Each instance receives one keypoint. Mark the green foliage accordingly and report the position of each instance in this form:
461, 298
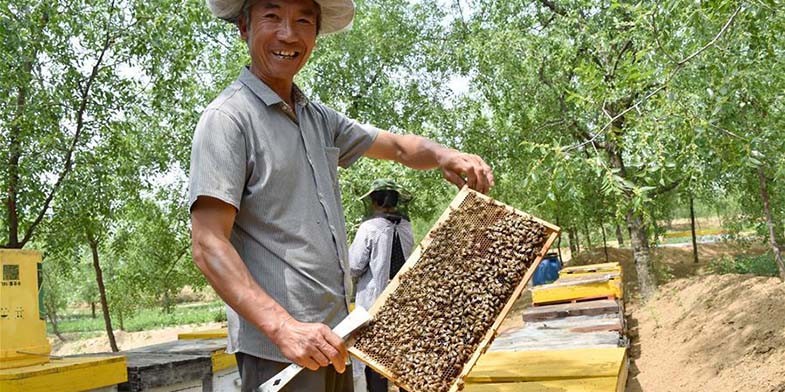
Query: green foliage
762, 265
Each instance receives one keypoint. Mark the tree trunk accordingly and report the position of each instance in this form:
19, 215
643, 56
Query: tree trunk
654, 226
51, 313
99, 278
558, 241
122, 319
14, 153
577, 240
641, 254
92, 308
619, 236
588, 236
604, 243
571, 237
639, 238
692, 227
764, 195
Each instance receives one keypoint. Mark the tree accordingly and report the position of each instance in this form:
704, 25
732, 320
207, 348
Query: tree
747, 113
152, 243
95, 114
589, 79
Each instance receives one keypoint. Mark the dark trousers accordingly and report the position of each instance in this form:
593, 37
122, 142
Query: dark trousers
255, 371
375, 381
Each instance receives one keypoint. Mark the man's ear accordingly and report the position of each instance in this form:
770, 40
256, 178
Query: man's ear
242, 25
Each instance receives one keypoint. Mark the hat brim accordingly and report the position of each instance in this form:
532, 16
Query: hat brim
403, 196
337, 15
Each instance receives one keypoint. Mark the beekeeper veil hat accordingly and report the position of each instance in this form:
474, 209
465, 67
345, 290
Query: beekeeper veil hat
336, 15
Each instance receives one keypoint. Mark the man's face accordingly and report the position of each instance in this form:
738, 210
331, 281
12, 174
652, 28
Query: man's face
281, 35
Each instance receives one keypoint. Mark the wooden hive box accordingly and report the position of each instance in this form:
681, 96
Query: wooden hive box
579, 288
590, 269
579, 369
442, 310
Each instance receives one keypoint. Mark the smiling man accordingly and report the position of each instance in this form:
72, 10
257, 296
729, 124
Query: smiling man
267, 222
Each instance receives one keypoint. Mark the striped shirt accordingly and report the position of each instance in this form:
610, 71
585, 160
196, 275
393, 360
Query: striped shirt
282, 177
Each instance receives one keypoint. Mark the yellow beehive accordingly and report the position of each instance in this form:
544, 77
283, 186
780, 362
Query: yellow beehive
583, 369
594, 286
22, 327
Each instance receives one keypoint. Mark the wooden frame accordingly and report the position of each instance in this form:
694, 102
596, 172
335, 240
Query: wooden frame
457, 384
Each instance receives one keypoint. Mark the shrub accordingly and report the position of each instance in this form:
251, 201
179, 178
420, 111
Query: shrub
762, 265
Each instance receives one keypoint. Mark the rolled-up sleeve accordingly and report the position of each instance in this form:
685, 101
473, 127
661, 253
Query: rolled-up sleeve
218, 159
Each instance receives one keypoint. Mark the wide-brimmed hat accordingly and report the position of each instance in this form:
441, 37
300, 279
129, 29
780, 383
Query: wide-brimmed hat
336, 16
386, 184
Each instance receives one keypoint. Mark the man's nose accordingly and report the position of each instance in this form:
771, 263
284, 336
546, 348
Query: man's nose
286, 32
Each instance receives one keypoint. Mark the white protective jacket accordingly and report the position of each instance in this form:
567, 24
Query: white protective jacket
369, 258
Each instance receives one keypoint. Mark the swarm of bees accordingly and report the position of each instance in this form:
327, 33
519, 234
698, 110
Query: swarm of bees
443, 306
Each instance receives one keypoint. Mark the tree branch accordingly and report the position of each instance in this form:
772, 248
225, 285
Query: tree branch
553, 7
657, 38
80, 114
679, 67
714, 40
667, 188
624, 49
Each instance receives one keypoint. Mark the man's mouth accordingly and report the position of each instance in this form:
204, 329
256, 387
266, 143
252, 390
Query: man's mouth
286, 54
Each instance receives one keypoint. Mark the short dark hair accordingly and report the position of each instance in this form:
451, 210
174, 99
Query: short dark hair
245, 12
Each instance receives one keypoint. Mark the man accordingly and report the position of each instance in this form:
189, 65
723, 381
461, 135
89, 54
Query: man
380, 248
267, 224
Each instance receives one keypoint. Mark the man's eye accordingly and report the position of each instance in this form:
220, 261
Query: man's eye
270, 16
305, 21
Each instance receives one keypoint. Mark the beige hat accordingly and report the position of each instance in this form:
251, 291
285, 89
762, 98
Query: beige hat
337, 15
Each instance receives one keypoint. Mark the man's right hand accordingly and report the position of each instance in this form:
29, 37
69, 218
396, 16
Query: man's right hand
310, 345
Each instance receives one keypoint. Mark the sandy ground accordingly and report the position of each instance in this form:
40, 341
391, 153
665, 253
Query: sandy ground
125, 340
703, 332
710, 333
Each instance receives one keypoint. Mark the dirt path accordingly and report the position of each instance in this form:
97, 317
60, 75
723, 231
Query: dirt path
126, 340
703, 332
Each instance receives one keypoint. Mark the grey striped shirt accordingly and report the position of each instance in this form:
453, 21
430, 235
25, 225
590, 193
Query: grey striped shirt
282, 178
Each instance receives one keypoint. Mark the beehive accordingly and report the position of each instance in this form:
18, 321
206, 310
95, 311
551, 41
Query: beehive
441, 311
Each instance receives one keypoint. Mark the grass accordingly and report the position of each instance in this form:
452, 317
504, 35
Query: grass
762, 265
688, 233
151, 318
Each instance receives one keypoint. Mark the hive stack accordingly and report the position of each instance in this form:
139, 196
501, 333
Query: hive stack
572, 338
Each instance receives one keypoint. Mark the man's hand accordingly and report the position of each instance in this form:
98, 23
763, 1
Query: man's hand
310, 345
466, 169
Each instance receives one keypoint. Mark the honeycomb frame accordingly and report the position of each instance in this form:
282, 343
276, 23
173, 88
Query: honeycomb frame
551, 233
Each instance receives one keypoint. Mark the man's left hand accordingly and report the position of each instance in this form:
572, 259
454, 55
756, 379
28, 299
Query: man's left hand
466, 169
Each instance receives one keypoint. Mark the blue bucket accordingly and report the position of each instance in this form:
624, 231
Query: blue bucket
548, 270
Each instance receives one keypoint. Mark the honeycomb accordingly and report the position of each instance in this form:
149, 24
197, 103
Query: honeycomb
442, 307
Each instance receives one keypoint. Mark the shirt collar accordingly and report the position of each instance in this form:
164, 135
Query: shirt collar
265, 93
299, 96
